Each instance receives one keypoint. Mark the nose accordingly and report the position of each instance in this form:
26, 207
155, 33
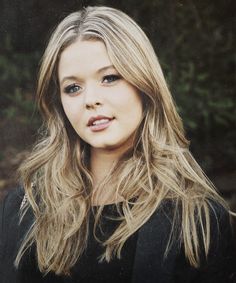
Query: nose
92, 105
92, 99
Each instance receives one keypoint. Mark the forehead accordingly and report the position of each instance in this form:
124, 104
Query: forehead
83, 56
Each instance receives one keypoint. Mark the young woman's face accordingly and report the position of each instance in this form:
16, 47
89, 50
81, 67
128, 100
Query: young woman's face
102, 107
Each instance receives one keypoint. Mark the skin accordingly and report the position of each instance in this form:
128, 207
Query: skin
91, 86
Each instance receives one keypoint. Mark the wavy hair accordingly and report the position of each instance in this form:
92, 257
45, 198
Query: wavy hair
159, 167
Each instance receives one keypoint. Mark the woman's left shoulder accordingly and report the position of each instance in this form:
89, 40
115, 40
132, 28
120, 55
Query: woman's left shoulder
219, 265
218, 210
221, 230
222, 242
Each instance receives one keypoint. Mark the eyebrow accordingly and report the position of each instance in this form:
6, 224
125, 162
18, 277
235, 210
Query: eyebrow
99, 71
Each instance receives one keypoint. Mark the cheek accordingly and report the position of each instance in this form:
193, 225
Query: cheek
135, 110
130, 105
72, 111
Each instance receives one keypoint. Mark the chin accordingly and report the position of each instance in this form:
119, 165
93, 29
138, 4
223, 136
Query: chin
111, 145
108, 146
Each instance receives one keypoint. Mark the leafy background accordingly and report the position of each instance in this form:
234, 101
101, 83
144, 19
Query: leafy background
195, 43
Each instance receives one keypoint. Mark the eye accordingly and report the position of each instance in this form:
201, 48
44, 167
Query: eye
71, 89
110, 78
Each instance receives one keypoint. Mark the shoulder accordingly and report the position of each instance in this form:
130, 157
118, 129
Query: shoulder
9, 210
222, 243
220, 261
165, 227
9, 221
171, 210
221, 232
154, 237
14, 196
10, 204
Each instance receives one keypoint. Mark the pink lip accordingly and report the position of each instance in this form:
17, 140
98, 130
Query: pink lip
99, 117
100, 127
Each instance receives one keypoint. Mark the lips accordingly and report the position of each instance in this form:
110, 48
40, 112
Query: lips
99, 123
98, 120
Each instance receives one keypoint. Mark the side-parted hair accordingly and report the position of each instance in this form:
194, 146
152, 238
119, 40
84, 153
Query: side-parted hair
160, 166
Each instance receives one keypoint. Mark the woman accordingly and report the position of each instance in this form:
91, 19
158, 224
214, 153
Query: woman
111, 192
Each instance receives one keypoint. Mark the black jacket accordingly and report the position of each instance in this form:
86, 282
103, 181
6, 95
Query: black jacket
150, 265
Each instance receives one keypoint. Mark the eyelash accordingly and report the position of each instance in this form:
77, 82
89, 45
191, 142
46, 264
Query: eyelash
112, 77
70, 89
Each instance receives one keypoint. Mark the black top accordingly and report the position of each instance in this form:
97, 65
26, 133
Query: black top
143, 259
88, 268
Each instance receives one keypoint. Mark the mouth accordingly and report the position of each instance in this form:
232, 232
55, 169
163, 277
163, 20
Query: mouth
101, 124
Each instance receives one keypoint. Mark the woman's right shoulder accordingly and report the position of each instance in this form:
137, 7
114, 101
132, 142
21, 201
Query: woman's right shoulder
10, 205
13, 199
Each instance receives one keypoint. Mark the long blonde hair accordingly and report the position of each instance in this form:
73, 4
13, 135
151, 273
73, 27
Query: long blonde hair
159, 167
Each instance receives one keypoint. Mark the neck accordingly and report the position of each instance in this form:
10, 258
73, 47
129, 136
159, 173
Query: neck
101, 164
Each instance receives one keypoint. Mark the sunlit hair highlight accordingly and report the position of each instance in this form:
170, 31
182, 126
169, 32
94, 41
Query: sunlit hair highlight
159, 167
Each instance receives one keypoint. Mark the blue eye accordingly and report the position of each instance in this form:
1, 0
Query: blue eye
110, 78
70, 89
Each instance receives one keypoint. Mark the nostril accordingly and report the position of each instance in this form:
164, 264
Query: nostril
87, 106
92, 105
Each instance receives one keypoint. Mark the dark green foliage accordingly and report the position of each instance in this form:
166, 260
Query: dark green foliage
17, 79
